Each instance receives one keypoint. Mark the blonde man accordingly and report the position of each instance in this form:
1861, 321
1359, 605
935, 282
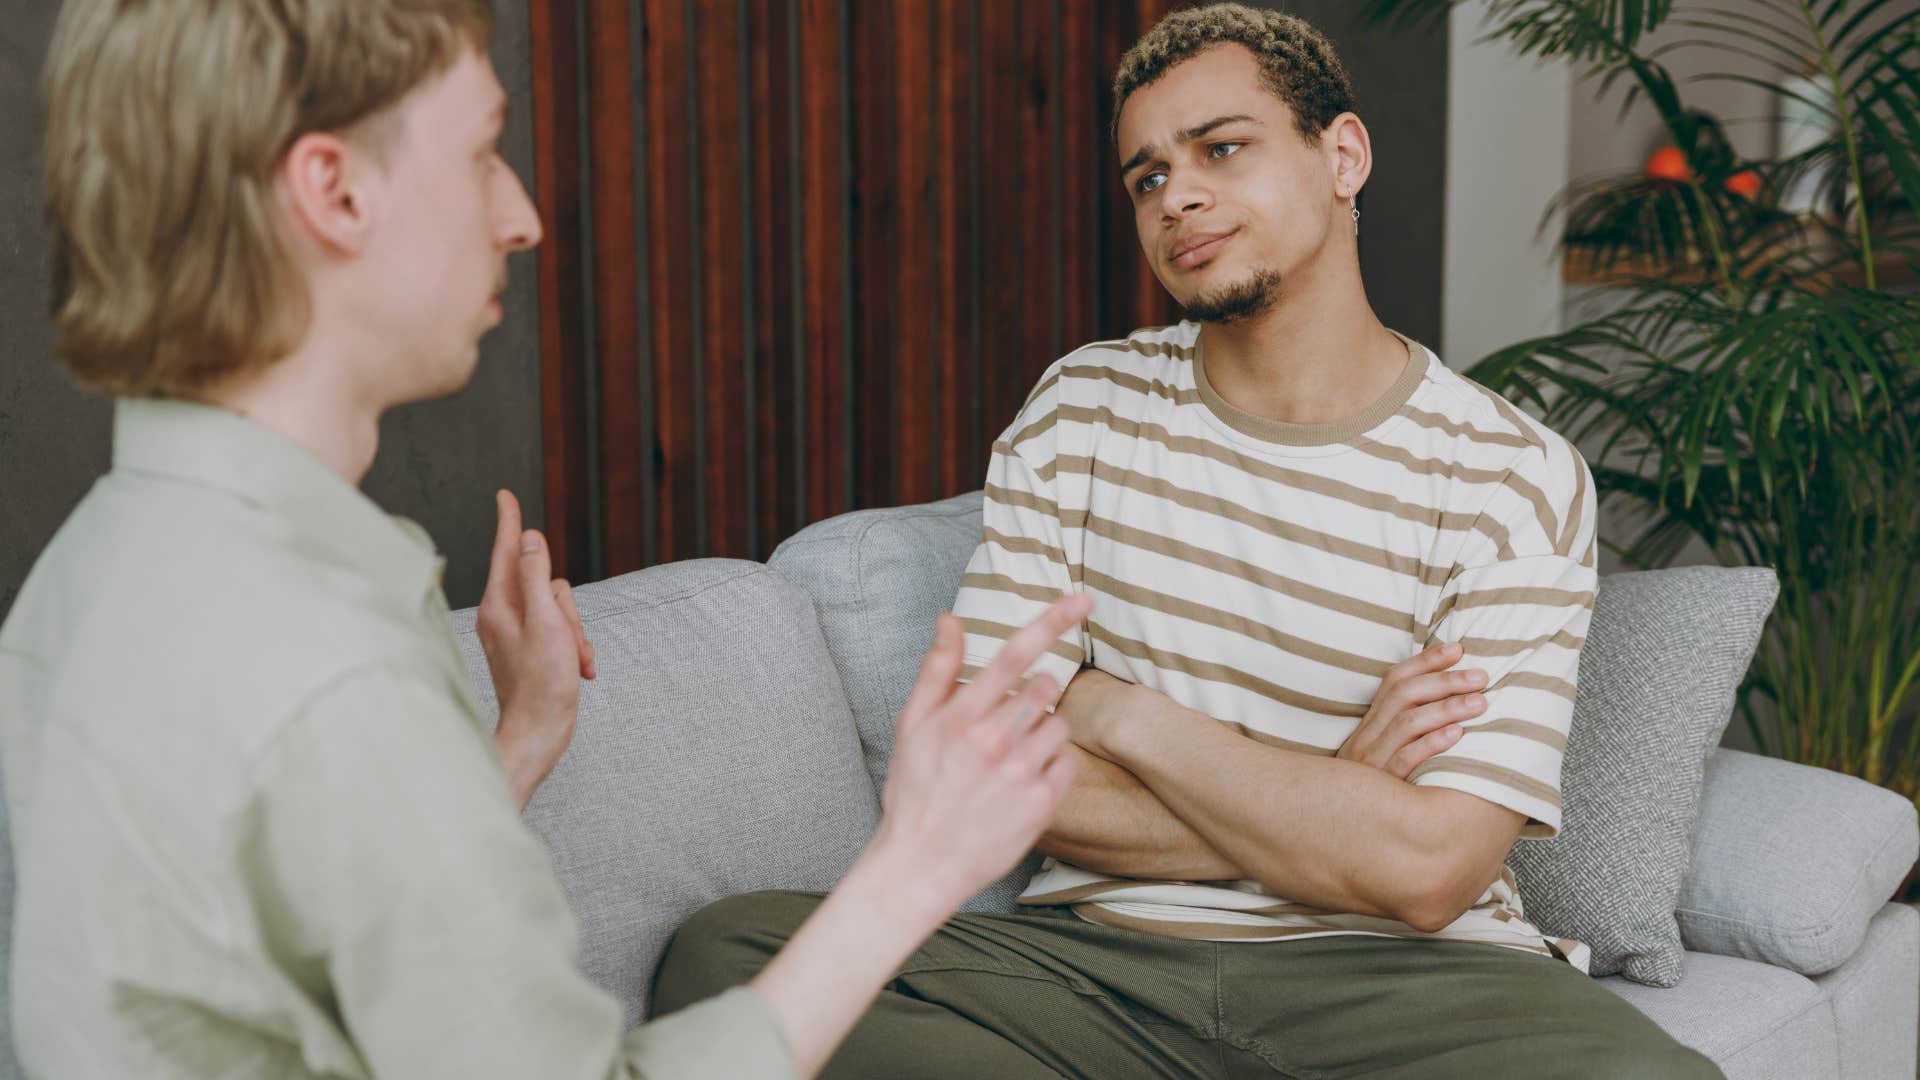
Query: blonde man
1339, 596
261, 828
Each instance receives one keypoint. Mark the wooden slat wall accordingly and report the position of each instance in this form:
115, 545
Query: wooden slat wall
808, 256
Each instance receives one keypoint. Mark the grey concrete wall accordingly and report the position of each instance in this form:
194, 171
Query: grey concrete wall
439, 462
53, 439
1401, 81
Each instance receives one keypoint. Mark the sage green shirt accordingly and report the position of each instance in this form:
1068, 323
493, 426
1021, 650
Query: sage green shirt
259, 824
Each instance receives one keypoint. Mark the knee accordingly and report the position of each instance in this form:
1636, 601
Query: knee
724, 944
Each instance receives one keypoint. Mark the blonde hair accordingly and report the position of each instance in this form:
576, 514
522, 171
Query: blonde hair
163, 124
1297, 63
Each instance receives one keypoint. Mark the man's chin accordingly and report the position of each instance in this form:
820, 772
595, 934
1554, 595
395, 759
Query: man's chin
1235, 302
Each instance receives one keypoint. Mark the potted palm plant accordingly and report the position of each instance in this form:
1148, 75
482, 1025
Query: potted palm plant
1758, 385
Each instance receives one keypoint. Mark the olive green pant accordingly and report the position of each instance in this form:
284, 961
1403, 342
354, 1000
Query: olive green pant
1047, 994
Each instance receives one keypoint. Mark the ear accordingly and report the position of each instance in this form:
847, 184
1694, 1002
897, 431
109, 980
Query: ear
1349, 155
326, 184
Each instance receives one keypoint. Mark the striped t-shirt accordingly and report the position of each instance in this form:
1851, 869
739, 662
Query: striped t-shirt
1267, 574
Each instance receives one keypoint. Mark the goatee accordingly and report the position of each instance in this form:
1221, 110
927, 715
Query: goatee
1233, 303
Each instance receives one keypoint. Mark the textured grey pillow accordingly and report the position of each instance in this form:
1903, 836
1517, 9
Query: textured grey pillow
1791, 863
878, 579
1665, 653
714, 755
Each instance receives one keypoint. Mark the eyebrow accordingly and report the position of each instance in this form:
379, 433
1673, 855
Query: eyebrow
1198, 131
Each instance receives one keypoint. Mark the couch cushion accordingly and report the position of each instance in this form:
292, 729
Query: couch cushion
1664, 655
1876, 999
714, 755
878, 578
1756, 1022
1790, 863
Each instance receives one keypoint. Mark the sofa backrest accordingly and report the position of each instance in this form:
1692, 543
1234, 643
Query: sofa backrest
878, 578
714, 755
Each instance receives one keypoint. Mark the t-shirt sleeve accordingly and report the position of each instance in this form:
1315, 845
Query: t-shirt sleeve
1520, 603
1027, 551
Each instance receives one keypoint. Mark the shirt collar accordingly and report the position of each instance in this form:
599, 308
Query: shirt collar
325, 516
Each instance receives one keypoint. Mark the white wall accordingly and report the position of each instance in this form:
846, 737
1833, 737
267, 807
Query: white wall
1507, 157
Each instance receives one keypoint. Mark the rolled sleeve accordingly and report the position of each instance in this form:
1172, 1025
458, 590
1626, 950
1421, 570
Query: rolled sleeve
1025, 560
1520, 609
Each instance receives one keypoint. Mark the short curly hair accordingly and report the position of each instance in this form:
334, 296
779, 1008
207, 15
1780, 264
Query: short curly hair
1297, 63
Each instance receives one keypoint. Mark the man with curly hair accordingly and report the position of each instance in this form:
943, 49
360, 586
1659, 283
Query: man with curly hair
1339, 598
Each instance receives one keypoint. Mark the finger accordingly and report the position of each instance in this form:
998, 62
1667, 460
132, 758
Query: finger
937, 671
536, 569
1020, 651
563, 595
1433, 658
1032, 701
1416, 753
1439, 686
1415, 723
1039, 745
1059, 775
506, 550
1017, 715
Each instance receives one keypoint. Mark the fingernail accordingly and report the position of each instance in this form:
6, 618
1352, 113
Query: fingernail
1476, 701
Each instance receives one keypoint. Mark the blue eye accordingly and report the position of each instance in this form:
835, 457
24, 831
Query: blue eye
1150, 182
1231, 149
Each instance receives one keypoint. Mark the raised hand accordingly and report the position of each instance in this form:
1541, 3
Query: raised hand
536, 649
1417, 712
977, 774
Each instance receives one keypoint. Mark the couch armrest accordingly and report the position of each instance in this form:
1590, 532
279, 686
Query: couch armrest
1791, 862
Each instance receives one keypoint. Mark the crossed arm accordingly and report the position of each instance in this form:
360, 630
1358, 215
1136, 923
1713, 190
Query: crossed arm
1165, 792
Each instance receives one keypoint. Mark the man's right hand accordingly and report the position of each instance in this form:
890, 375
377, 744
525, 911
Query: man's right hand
537, 651
976, 774
1417, 712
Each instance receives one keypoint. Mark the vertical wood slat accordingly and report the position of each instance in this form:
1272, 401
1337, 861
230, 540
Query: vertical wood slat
616, 283
1003, 245
773, 250
875, 273
823, 219
954, 355
868, 227
1080, 171
553, 33
723, 275
669, 187
917, 408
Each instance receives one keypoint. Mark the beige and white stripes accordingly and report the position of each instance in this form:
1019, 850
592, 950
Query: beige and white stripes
1268, 574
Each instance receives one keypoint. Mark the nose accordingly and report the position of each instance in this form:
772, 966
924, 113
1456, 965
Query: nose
519, 221
1184, 193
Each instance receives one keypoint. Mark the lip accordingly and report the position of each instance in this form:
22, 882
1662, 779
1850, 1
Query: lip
1197, 248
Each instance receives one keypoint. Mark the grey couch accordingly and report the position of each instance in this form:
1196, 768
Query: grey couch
742, 719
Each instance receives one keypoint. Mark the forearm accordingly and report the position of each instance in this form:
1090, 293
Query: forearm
1111, 823
1330, 833
834, 966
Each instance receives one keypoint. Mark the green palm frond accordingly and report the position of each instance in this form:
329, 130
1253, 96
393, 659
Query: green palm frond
1757, 390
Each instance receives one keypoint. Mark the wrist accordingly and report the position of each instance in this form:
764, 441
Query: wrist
911, 887
528, 750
